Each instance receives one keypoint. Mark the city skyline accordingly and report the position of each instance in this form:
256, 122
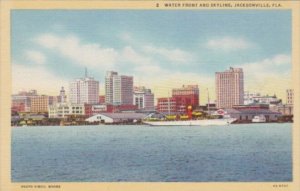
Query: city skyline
162, 50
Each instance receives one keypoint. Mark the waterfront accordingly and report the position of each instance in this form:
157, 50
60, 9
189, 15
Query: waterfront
242, 152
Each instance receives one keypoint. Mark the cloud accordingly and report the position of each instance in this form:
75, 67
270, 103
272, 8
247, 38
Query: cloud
85, 54
130, 55
35, 56
37, 77
276, 65
268, 75
126, 37
228, 44
161, 81
173, 55
94, 56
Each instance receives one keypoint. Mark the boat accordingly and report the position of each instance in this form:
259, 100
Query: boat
191, 118
218, 120
259, 119
196, 122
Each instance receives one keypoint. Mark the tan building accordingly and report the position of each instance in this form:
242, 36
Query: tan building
230, 87
39, 104
290, 96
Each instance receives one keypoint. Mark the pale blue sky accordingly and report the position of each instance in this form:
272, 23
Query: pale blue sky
161, 49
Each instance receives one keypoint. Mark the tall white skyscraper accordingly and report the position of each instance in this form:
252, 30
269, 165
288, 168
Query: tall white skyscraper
230, 88
84, 90
118, 89
109, 86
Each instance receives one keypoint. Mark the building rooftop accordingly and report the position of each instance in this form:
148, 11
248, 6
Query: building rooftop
251, 111
125, 115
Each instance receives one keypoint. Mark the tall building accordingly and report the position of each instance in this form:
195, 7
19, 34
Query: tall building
84, 91
230, 87
143, 98
118, 89
186, 96
109, 78
290, 96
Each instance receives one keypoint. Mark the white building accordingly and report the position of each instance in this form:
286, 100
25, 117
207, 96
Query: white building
230, 87
61, 110
84, 90
116, 117
249, 97
109, 86
143, 98
270, 100
118, 89
99, 108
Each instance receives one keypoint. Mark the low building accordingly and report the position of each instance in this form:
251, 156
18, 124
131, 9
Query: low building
209, 108
91, 110
247, 114
62, 110
110, 118
271, 100
166, 105
251, 107
249, 97
31, 119
21, 102
284, 109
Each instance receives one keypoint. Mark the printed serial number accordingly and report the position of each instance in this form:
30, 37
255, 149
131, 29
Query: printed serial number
280, 185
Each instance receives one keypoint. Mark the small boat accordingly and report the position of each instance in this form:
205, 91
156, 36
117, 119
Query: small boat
259, 119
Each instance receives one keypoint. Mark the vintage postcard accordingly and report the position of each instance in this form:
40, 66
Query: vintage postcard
149, 95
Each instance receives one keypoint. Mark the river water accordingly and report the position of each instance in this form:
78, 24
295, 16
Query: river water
140, 153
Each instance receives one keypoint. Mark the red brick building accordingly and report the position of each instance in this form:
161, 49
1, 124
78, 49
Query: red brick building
18, 107
88, 110
102, 99
180, 100
187, 95
165, 105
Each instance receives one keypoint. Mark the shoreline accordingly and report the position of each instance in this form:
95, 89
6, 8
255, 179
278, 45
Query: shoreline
141, 124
